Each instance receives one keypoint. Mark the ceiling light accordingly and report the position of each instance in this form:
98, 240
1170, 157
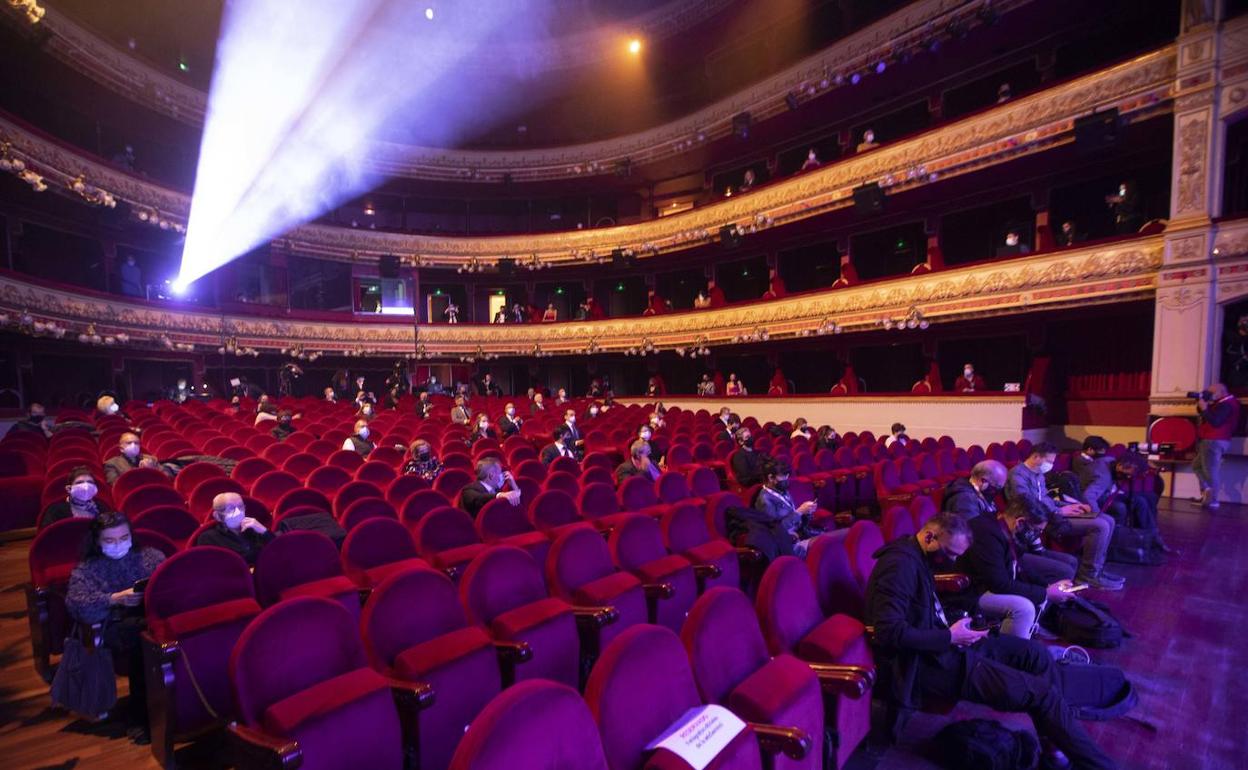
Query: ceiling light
634, 46
429, 14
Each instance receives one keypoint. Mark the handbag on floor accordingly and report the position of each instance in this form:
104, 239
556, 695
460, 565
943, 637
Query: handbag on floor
1129, 545
1084, 622
985, 744
85, 682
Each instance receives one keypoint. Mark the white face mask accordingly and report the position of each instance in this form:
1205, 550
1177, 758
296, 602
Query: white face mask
511, 412
82, 491
572, 420
968, 373
113, 408
593, 412
484, 426
1045, 467
1011, 240
116, 550
363, 432
645, 435
232, 518
131, 450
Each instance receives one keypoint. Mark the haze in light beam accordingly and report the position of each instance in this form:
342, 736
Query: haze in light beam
301, 89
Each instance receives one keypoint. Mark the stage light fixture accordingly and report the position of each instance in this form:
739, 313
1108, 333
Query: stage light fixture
634, 46
429, 14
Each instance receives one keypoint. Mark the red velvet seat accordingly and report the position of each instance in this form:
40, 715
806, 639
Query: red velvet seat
21, 496
499, 521
190, 476
172, 521
685, 533
302, 497
636, 545
446, 538
535, 724
246, 472
415, 629
302, 683
149, 496
54, 552
302, 464
553, 509
637, 495
376, 472
451, 480
897, 521
327, 479
419, 503
840, 563
376, 549
579, 570
270, 487
303, 563
703, 482
352, 491
366, 508
403, 487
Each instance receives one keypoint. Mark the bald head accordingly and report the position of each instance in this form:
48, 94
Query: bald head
990, 471
1219, 390
228, 509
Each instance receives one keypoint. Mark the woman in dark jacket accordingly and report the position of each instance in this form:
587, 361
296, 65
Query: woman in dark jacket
101, 590
80, 499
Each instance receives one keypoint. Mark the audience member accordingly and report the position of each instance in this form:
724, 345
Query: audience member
706, 386
1217, 418
500, 317
812, 160
776, 505
1098, 474
716, 295
896, 433
518, 313
330, 396
422, 461
775, 286
976, 495
1006, 590
423, 405
655, 304
734, 387
461, 413
969, 381
536, 405
358, 441
561, 397
1003, 93
1013, 244
560, 447
702, 301
827, 438
101, 590
36, 421
868, 141
748, 180
433, 387
574, 436
510, 422
1125, 205
80, 499
489, 387
265, 412
551, 313
746, 462
491, 479
483, 430
131, 457
1027, 479
131, 278
451, 313
1067, 235
107, 406
926, 659
593, 411
801, 429
729, 431
637, 464
234, 529
285, 425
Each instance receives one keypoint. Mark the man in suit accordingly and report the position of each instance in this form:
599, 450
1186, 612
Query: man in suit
1005, 588
492, 482
460, 413
536, 405
575, 440
975, 496
746, 462
423, 405
637, 464
927, 659
131, 457
561, 447
510, 422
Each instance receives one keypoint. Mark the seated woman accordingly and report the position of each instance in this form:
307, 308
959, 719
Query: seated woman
80, 501
483, 430
801, 429
422, 462
734, 387
551, 313
101, 590
234, 529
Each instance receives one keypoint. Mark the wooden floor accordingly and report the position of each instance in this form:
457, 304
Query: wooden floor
1189, 662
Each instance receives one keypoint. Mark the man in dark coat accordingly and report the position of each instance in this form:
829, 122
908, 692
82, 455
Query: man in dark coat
976, 496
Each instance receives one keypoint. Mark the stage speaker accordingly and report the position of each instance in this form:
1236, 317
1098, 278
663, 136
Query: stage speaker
729, 237
869, 199
506, 267
741, 125
389, 266
1098, 131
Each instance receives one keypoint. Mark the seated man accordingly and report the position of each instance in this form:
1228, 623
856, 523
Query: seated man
510, 423
234, 529
637, 464
746, 462
922, 658
777, 506
35, 422
729, 433
491, 479
106, 406
358, 441
460, 413
968, 381
284, 426
1027, 480
1099, 475
976, 496
1007, 590
536, 405
131, 457
560, 447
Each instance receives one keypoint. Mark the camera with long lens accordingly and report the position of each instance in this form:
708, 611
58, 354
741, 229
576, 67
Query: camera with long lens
1203, 395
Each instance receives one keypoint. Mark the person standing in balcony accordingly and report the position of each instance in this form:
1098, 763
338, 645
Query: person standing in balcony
451, 313
734, 387
656, 305
812, 160
703, 300
748, 181
501, 316
551, 315
1126, 207
775, 286
1013, 244
868, 141
131, 278
1067, 235
518, 313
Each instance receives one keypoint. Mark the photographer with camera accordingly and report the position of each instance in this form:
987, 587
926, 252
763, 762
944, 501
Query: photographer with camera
1217, 415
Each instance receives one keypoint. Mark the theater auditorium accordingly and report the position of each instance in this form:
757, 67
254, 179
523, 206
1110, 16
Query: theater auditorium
623, 384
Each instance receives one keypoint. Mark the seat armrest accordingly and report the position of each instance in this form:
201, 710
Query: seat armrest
595, 617
255, 750
411, 695
851, 681
510, 655
748, 554
952, 582
454, 572
707, 571
656, 591
773, 739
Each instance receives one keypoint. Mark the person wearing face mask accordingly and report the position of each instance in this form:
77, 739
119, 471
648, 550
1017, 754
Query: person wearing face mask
80, 499
593, 411
801, 429
976, 495
776, 505
509, 424
647, 434
358, 441
483, 430
422, 462
536, 404
234, 529
1099, 475
561, 397
36, 421
366, 411
969, 381
461, 414
181, 393
637, 464
1013, 244
266, 412
101, 590
729, 431
107, 406
746, 463
1027, 480
131, 457
560, 447
1006, 589
827, 438
285, 425
492, 483
574, 435
923, 659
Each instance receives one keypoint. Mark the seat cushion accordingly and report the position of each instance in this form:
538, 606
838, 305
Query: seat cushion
340, 588
329, 720
662, 568
187, 623
722, 554
784, 692
454, 557
377, 575
549, 627
831, 640
462, 667
621, 591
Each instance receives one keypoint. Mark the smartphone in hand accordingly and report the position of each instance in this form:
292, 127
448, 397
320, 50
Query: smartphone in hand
140, 585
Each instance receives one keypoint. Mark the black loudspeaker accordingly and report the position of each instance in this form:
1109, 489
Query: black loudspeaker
506, 267
729, 237
869, 199
1098, 131
389, 266
741, 125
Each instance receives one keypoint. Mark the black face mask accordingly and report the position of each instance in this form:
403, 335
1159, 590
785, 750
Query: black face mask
989, 491
748, 443
781, 485
424, 454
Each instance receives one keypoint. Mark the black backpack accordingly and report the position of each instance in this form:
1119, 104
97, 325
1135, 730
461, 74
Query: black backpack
1084, 622
985, 744
1097, 692
315, 522
1129, 545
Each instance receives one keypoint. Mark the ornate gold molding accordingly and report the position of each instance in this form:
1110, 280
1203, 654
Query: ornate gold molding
1137, 88
1108, 273
138, 81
